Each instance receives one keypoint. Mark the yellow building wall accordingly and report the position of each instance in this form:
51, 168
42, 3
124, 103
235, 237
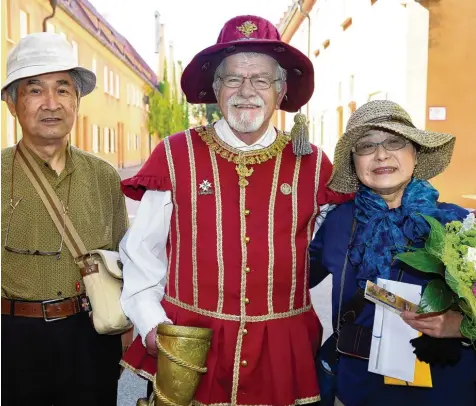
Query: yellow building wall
123, 112
452, 84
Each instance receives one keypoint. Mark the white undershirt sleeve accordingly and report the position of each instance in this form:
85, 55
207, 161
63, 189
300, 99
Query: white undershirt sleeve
143, 254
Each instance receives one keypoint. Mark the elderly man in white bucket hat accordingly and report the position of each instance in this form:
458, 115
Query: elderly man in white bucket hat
51, 354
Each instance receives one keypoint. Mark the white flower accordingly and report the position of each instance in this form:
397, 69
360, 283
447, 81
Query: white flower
468, 223
471, 255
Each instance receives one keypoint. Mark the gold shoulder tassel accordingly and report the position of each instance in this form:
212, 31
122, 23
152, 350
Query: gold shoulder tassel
300, 136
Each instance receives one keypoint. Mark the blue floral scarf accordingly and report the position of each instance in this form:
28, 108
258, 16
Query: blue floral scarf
381, 232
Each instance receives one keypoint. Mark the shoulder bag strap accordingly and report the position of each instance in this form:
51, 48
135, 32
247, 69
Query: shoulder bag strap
56, 210
342, 278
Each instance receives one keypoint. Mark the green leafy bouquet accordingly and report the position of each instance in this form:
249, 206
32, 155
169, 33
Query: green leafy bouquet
450, 252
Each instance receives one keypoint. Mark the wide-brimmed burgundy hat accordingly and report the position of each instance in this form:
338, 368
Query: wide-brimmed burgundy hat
249, 34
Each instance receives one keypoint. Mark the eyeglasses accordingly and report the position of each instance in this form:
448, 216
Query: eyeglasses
56, 253
258, 82
14, 205
390, 144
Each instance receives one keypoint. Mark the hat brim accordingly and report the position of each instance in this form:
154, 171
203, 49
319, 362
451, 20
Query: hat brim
434, 154
88, 78
197, 78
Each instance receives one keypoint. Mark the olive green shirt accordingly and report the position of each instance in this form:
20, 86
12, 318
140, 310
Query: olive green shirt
96, 208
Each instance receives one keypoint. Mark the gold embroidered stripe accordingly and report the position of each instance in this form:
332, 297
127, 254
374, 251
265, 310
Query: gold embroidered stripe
312, 221
272, 203
139, 372
294, 230
221, 267
236, 317
193, 189
244, 261
303, 401
173, 180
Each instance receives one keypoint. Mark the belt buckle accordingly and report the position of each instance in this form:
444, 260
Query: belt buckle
43, 308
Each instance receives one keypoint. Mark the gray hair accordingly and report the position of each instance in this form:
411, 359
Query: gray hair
12, 89
220, 71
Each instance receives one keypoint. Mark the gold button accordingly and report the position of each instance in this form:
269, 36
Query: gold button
246, 300
247, 239
244, 363
247, 269
247, 212
245, 331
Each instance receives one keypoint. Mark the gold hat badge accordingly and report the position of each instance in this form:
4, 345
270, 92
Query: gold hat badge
247, 28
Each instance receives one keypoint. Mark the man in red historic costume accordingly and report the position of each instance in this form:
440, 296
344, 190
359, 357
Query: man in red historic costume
227, 214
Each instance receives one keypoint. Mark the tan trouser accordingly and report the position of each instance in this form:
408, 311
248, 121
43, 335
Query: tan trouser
337, 402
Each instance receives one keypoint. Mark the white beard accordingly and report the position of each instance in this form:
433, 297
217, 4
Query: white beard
242, 121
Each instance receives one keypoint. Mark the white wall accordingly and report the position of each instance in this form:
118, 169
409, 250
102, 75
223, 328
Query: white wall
382, 54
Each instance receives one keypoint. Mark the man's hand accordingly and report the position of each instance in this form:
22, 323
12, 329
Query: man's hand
150, 344
444, 325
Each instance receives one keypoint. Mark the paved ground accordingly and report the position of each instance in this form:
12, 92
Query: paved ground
131, 387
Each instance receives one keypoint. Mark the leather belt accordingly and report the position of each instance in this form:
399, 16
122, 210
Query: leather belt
48, 310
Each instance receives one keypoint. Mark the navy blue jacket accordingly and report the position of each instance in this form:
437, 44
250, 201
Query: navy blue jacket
452, 385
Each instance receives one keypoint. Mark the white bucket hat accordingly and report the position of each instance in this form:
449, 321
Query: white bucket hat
44, 52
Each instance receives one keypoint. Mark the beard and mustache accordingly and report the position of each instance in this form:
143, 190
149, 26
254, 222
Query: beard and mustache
246, 121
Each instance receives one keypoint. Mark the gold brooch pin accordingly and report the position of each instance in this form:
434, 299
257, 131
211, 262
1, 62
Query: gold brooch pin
247, 28
286, 189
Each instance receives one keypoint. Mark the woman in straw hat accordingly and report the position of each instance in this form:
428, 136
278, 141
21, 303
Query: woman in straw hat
387, 162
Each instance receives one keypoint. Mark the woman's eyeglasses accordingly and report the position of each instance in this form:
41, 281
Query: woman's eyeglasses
390, 144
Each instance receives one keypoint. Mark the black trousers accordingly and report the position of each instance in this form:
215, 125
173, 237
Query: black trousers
60, 363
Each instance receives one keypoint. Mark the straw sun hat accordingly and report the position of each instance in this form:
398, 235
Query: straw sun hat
434, 152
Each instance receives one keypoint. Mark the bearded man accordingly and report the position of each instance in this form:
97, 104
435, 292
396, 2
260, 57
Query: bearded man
226, 216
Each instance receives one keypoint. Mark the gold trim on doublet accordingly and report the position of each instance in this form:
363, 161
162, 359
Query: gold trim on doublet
294, 230
240, 158
312, 221
272, 203
244, 261
237, 317
221, 265
193, 190
173, 180
303, 401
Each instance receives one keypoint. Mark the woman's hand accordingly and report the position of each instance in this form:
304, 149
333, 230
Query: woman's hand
444, 325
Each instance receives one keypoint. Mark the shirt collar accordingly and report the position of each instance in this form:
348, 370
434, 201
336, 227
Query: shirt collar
69, 166
226, 134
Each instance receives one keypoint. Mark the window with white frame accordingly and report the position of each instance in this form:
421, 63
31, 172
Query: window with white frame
50, 28
128, 141
137, 142
111, 83
24, 24
117, 86
106, 140
11, 124
74, 44
106, 79
112, 144
95, 139
94, 66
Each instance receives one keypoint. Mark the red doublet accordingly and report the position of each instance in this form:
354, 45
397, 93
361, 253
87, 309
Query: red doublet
238, 263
